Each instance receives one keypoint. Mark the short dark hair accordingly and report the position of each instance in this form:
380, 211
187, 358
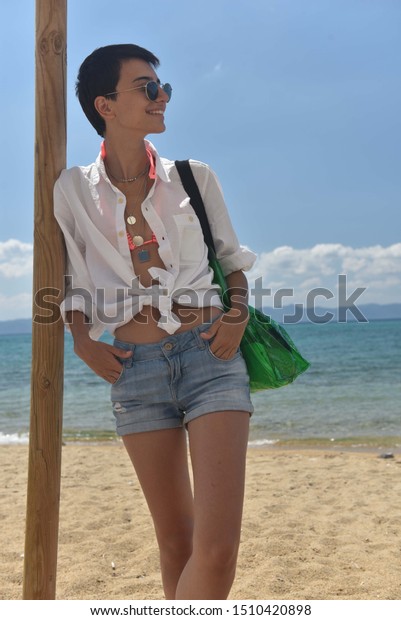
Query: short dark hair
99, 74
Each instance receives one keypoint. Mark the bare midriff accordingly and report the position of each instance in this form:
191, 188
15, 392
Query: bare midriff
143, 328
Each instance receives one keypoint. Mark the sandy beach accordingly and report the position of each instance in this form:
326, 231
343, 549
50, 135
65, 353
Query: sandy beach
318, 524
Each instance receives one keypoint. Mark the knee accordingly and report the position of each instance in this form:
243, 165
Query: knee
176, 550
176, 545
220, 556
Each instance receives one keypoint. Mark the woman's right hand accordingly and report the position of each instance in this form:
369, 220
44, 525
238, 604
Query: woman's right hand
101, 357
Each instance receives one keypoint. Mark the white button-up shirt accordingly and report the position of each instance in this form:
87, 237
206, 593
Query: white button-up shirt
102, 282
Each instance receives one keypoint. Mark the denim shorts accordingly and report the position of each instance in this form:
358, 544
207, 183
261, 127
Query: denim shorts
170, 383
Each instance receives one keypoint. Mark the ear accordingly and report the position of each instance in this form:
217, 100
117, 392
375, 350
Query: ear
104, 107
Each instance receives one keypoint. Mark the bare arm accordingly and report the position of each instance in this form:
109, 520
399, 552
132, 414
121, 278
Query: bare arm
99, 356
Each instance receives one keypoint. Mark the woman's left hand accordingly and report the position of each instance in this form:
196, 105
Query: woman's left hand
227, 332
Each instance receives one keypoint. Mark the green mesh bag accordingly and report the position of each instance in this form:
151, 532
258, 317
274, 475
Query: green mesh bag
271, 357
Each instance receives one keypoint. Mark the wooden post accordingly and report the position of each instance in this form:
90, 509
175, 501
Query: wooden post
40, 560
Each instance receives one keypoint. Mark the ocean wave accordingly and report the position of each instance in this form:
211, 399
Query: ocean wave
13, 439
257, 443
23, 439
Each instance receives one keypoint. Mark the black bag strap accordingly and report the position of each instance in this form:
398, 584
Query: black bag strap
191, 187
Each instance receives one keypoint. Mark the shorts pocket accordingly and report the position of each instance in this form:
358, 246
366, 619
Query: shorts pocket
126, 363
121, 375
219, 359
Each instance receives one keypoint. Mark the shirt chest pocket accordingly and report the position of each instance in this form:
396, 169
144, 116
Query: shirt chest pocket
190, 238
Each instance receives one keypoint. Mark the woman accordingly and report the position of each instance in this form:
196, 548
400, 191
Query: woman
138, 267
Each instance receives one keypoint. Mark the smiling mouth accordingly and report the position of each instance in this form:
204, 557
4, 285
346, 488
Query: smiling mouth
160, 112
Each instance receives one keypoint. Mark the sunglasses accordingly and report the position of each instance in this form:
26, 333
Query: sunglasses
151, 90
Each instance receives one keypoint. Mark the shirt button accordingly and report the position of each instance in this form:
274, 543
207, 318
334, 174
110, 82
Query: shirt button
121, 233
120, 200
191, 219
168, 346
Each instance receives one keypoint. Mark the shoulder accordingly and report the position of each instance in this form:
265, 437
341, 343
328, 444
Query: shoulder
74, 176
67, 192
69, 175
201, 171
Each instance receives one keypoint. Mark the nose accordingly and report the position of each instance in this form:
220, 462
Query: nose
162, 95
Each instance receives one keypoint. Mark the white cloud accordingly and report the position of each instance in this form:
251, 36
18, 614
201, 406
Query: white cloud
216, 71
15, 258
15, 306
376, 269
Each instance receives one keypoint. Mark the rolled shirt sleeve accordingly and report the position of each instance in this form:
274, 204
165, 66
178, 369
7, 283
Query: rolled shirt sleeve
79, 289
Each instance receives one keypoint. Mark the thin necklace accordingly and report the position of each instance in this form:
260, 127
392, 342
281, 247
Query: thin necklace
137, 240
132, 179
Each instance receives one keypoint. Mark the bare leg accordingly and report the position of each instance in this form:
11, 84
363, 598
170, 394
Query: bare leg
218, 443
160, 459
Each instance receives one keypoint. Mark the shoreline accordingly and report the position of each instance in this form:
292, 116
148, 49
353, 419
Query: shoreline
347, 444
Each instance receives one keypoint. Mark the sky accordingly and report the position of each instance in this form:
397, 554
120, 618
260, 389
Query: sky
294, 103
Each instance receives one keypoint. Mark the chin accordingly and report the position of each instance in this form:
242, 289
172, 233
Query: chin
161, 130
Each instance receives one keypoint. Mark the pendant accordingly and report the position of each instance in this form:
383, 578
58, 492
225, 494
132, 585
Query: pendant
138, 240
131, 220
143, 256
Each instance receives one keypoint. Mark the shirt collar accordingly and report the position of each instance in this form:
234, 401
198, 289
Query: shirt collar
157, 168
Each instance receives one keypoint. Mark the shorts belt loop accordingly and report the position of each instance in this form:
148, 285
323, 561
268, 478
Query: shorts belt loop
197, 333
130, 360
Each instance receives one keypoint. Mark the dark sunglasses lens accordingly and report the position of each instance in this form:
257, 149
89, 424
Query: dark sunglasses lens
152, 90
168, 90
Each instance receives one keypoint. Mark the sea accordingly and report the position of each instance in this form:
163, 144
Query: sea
350, 397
